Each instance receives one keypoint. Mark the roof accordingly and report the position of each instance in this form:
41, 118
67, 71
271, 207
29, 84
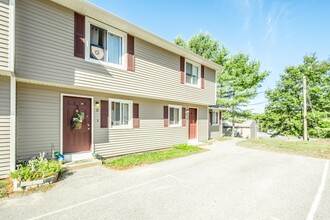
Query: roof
90, 10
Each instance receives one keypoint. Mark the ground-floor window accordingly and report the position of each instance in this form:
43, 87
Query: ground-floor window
215, 118
175, 115
120, 113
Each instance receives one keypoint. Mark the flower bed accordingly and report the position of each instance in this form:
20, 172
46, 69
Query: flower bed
37, 172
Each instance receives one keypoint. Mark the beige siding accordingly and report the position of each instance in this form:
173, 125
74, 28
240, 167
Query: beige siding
4, 34
202, 123
45, 32
215, 131
38, 124
4, 126
38, 121
151, 135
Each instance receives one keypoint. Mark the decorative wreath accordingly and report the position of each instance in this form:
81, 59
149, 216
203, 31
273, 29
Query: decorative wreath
77, 120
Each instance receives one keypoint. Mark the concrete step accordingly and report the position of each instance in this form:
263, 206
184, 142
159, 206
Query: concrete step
76, 165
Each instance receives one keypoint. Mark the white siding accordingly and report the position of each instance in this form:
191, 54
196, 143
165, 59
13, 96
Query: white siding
44, 31
4, 34
4, 126
38, 124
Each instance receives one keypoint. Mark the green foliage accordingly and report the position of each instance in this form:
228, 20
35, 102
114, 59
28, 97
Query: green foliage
37, 169
237, 83
3, 185
152, 157
284, 113
204, 45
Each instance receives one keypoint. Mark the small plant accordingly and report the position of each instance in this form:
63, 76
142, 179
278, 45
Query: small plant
3, 185
37, 168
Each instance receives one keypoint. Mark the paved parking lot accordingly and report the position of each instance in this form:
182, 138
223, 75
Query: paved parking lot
227, 182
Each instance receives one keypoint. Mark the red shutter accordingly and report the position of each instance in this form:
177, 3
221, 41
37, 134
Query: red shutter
202, 77
183, 117
165, 116
130, 53
79, 35
182, 69
211, 118
220, 117
136, 116
104, 113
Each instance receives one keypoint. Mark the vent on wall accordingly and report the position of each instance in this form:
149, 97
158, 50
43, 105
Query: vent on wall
97, 53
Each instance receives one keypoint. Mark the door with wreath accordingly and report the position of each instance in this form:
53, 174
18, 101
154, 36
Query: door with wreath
77, 128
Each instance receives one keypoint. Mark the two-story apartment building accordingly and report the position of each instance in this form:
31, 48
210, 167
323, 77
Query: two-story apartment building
81, 81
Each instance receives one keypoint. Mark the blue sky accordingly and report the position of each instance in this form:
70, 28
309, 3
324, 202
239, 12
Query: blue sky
278, 33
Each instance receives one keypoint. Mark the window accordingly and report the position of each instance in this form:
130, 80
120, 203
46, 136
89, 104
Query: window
120, 113
215, 118
192, 73
175, 115
106, 44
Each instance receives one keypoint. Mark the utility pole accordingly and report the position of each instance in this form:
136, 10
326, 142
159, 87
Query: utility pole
305, 108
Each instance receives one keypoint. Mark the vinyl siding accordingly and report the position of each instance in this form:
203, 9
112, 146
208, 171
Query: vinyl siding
215, 131
4, 126
38, 124
4, 34
44, 30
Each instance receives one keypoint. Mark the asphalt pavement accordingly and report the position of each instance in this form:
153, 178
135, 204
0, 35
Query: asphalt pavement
227, 182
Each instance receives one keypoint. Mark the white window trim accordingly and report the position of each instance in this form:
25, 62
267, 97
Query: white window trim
217, 123
180, 116
88, 23
130, 114
198, 85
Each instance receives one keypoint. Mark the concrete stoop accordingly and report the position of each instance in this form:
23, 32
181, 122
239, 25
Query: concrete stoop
76, 165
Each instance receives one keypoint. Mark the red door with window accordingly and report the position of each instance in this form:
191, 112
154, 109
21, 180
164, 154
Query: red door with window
192, 123
77, 121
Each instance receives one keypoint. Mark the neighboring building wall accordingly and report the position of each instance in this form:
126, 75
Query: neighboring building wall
44, 52
215, 131
38, 124
4, 126
4, 34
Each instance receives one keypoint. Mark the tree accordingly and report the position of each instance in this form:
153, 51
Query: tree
240, 79
284, 112
238, 85
204, 45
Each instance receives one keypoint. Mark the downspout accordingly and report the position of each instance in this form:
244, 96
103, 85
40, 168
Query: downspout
11, 65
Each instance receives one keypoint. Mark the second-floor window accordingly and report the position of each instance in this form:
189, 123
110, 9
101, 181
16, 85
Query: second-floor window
106, 44
192, 74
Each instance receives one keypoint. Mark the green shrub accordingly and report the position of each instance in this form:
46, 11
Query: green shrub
37, 169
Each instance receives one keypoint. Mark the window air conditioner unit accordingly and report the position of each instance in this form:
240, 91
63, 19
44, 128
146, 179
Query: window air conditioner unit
97, 53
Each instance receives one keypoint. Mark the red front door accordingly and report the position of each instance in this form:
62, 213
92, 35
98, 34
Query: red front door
192, 123
76, 136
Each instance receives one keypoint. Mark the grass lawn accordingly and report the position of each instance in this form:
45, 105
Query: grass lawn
224, 139
320, 149
129, 161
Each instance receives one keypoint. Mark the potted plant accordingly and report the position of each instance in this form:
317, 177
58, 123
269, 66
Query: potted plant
36, 172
